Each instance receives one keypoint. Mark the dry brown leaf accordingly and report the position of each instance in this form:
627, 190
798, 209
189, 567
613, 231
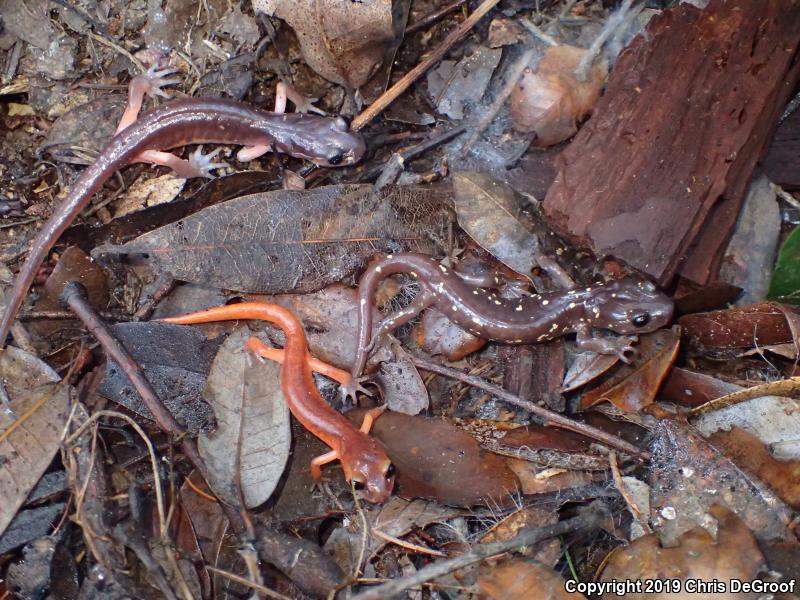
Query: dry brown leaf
436, 460
586, 367
28, 442
535, 479
437, 334
756, 325
750, 453
342, 41
252, 424
536, 443
523, 580
508, 226
637, 389
550, 100
734, 554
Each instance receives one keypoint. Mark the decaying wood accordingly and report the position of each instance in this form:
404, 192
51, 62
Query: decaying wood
782, 161
658, 174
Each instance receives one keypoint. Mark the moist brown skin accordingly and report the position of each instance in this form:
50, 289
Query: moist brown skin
626, 306
323, 140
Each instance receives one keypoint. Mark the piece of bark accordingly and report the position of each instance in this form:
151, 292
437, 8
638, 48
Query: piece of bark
782, 161
535, 372
657, 175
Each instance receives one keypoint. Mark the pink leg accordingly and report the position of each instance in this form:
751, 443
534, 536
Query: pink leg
150, 83
370, 416
199, 165
249, 153
322, 459
283, 92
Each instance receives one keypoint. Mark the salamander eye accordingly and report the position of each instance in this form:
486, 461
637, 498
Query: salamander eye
335, 159
641, 319
390, 471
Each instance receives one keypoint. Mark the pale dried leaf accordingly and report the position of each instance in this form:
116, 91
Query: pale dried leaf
150, 192
294, 241
27, 449
490, 212
586, 367
252, 424
457, 87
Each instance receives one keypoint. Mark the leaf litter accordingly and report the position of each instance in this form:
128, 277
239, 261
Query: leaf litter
713, 403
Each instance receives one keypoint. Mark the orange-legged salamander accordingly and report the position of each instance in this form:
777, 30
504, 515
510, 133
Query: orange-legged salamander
326, 141
364, 461
625, 306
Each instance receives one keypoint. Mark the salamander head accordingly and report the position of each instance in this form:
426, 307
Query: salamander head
628, 306
370, 470
326, 141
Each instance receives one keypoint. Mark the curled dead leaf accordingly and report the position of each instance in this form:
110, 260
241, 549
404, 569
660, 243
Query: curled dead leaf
635, 386
342, 41
550, 100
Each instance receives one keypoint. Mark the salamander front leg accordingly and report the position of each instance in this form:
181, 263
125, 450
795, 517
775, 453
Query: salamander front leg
371, 416
283, 93
341, 376
320, 461
150, 83
619, 346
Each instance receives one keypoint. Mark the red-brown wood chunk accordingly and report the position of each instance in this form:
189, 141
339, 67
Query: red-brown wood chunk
657, 176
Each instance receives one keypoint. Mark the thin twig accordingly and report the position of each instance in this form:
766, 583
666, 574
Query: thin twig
785, 387
590, 518
242, 581
551, 418
147, 307
401, 158
408, 545
433, 17
74, 296
120, 49
409, 78
626, 493
64, 315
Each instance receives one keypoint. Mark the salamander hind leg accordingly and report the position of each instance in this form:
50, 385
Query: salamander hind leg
400, 317
198, 165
